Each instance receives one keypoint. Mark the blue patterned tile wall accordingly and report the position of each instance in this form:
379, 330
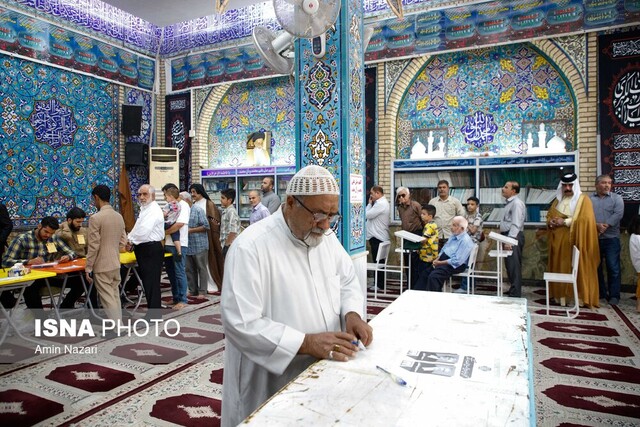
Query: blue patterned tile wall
58, 138
248, 107
487, 101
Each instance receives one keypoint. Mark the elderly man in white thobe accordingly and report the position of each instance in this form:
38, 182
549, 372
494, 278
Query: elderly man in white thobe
291, 296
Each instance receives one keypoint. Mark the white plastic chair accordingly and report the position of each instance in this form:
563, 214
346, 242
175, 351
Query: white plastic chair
381, 264
566, 278
471, 273
468, 272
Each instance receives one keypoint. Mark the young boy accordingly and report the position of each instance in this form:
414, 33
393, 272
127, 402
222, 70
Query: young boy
230, 221
429, 250
171, 213
475, 231
475, 219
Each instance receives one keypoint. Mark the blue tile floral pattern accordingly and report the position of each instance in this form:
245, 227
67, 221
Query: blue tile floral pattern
48, 165
267, 105
494, 94
320, 85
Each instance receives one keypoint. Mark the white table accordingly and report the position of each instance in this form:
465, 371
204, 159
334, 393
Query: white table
414, 238
500, 254
433, 334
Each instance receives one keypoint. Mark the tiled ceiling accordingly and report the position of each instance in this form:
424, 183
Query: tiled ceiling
167, 12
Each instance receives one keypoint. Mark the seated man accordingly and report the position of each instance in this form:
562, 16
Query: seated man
75, 236
33, 248
452, 259
73, 233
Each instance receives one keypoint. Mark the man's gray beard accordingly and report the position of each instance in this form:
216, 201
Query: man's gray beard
312, 239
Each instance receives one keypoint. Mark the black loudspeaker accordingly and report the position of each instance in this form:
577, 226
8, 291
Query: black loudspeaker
136, 154
131, 119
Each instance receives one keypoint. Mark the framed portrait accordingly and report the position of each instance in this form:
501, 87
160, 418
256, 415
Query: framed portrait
259, 148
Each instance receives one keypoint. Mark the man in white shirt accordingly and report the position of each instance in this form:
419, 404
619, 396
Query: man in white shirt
175, 265
377, 216
512, 225
289, 290
146, 240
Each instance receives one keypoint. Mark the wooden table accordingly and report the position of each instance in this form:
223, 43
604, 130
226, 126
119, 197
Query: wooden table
465, 358
21, 283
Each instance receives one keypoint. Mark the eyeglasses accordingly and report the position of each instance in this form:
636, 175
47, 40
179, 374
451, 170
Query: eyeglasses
333, 219
402, 196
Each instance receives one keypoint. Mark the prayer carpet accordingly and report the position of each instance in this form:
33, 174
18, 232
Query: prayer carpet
586, 372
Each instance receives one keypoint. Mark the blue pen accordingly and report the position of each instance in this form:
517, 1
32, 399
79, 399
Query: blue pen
394, 377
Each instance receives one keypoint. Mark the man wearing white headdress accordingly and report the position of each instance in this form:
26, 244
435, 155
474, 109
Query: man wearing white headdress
291, 296
571, 221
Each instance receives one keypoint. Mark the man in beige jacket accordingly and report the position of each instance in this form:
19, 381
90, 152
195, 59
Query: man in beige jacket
107, 238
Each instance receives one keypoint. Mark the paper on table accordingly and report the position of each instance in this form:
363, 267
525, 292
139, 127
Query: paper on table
408, 236
45, 265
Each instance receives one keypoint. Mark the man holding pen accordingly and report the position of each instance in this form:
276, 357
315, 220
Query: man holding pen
280, 315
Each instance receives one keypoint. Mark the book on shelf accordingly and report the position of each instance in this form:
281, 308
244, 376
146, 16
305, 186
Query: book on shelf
496, 215
252, 185
430, 179
540, 196
462, 194
493, 196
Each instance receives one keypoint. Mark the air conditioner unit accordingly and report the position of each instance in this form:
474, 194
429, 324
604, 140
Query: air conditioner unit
164, 167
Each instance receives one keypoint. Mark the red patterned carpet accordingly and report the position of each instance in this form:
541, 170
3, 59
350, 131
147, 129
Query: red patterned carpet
587, 370
586, 373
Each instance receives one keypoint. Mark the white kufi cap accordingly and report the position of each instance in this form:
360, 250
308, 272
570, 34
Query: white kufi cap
313, 180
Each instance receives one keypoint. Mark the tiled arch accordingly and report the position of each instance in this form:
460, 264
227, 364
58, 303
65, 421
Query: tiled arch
200, 154
587, 110
587, 104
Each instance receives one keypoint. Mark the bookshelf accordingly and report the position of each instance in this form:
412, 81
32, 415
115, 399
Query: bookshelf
484, 178
244, 180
